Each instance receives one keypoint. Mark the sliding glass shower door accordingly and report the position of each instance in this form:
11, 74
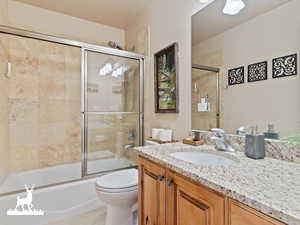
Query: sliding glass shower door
112, 111
65, 111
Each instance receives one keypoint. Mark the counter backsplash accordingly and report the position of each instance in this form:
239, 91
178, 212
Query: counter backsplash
274, 148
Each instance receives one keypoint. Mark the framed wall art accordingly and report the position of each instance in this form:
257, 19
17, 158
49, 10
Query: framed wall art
236, 76
285, 66
258, 71
166, 80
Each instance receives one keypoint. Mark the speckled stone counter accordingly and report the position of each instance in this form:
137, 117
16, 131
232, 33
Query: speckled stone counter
270, 186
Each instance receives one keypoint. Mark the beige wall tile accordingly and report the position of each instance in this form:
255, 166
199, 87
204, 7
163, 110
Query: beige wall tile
52, 134
52, 111
24, 134
52, 88
23, 158
23, 111
73, 88
4, 131
52, 155
24, 87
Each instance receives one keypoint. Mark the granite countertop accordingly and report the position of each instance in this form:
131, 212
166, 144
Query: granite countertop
270, 186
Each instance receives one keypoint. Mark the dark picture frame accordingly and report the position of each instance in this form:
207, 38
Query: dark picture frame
285, 66
236, 76
258, 71
166, 80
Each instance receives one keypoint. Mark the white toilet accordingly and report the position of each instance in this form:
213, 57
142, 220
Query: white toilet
119, 190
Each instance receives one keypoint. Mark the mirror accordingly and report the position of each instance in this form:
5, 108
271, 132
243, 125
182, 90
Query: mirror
244, 71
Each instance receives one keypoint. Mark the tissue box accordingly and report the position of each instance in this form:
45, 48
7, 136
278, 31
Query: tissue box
166, 135
156, 133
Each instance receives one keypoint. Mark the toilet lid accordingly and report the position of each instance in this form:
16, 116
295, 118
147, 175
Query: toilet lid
119, 179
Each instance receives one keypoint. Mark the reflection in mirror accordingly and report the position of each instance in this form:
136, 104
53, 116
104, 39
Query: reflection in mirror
205, 97
256, 52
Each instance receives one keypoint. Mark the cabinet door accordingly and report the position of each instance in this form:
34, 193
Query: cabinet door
243, 215
151, 193
191, 204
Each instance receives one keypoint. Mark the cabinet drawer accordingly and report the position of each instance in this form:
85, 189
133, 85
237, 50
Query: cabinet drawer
241, 214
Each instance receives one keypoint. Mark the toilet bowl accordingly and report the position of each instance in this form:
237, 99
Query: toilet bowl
119, 190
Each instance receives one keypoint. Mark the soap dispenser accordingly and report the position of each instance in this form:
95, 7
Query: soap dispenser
271, 133
255, 145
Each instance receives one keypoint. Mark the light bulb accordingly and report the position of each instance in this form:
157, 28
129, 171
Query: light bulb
233, 7
203, 1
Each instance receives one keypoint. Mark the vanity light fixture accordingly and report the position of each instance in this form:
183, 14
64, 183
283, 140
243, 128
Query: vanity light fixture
233, 7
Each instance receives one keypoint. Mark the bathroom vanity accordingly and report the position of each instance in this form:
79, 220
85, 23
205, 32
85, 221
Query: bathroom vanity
173, 191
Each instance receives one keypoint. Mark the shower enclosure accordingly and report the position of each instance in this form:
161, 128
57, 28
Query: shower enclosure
205, 86
69, 110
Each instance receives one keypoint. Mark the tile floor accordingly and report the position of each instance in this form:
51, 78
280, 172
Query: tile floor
94, 217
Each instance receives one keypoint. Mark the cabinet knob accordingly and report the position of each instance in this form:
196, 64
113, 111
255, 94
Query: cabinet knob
147, 219
170, 182
161, 177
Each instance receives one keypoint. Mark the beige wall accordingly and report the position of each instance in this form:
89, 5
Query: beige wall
168, 21
277, 101
32, 18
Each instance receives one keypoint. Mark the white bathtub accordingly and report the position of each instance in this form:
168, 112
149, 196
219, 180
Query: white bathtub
58, 202
59, 174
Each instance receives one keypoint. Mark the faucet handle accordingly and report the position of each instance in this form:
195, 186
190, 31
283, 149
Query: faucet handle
219, 132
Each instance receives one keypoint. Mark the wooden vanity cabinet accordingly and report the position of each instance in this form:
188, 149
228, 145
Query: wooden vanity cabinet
167, 198
152, 193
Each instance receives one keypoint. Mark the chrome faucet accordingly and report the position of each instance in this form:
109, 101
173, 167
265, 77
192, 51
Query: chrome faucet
221, 140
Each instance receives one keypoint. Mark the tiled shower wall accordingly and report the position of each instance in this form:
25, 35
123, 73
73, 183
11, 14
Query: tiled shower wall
4, 165
43, 104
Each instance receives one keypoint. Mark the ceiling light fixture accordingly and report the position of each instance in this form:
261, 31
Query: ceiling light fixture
233, 7
203, 1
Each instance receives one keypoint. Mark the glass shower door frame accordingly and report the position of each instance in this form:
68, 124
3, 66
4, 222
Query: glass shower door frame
83, 46
84, 105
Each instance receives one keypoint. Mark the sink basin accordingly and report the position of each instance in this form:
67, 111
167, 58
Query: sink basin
203, 158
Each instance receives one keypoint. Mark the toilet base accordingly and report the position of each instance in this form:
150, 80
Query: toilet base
119, 215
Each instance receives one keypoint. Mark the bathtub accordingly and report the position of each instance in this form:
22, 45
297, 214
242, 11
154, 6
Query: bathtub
60, 201
59, 174
57, 202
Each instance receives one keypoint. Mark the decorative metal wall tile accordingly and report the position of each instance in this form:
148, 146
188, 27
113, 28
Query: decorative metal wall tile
285, 66
258, 71
236, 76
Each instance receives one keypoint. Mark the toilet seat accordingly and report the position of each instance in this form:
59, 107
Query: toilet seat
120, 181
115, 190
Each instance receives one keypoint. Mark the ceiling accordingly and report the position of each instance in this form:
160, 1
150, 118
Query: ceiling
211, 21
116, 13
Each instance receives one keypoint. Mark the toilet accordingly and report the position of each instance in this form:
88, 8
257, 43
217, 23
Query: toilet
119, 190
